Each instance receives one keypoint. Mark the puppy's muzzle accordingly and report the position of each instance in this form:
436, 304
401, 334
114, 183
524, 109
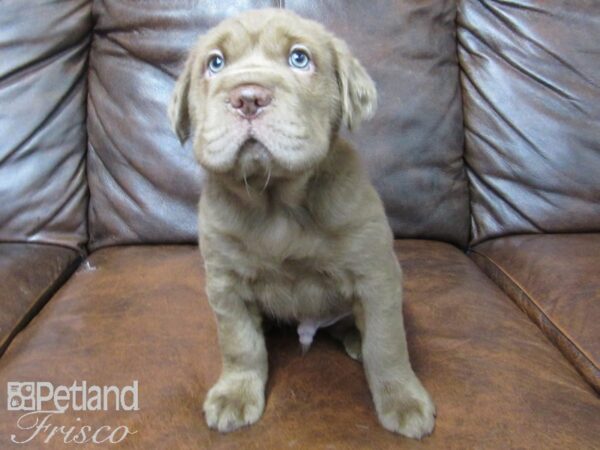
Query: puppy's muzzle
249, 100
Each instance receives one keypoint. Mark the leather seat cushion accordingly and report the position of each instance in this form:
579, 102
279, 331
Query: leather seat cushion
139, 313
30, 274
555, 279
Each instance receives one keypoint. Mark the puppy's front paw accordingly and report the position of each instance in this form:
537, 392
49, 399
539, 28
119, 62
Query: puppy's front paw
405, 409
235, 401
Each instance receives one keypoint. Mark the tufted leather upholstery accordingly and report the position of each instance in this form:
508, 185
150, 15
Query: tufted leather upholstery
531, 92
43, 73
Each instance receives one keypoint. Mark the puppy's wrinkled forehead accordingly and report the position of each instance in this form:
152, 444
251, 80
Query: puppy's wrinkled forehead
270, 32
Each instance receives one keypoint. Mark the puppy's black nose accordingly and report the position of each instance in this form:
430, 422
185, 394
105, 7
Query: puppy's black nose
249, 99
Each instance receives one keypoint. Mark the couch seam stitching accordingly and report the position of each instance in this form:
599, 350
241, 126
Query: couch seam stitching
539, 308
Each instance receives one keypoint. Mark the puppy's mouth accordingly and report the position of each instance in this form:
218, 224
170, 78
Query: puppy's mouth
254, 160
252, 151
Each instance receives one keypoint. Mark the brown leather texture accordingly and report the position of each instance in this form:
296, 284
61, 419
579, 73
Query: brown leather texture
139, 313
530, 76
30, 274
144, 186
43, 71
555, 280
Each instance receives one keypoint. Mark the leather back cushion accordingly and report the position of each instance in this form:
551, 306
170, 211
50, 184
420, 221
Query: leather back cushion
531, 93
43, 53
144, 186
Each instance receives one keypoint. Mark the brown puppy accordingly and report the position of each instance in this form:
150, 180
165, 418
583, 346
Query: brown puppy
290, 224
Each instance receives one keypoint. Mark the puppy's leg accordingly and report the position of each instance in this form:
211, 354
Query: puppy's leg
402, 403
238, 397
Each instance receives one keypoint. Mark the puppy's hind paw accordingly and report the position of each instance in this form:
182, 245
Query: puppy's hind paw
407, 410
353, 345
235, 401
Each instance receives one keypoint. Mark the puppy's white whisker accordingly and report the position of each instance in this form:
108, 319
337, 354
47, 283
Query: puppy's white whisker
268, 179
246, 184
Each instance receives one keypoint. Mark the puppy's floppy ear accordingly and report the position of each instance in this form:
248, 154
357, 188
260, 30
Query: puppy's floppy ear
357, 90
179, 109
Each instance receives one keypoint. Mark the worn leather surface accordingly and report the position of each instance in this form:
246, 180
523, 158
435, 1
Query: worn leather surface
145, 186
139, 313
43, 55
30, 274
556, 280
531, 93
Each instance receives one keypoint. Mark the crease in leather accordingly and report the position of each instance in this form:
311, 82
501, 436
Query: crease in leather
59, 106
506, 180
523, 6
575, 347
130, 52
130, 196
499, 114
68, 195
529, 74
516, 29
44, 59
82, 252
37, 65
117, 213
501, 198
43, 298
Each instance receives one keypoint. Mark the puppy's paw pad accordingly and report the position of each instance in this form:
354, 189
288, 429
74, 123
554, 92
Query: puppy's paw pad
234, 403
409, 412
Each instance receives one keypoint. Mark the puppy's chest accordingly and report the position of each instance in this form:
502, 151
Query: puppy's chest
292, 269
296, 289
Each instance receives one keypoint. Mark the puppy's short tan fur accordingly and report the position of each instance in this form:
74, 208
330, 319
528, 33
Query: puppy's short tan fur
290, 224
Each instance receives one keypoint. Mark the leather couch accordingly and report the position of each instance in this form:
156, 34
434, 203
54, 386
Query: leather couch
485, 150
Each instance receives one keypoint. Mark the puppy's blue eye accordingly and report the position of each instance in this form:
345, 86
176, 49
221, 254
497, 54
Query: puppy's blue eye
299, 59
216, 63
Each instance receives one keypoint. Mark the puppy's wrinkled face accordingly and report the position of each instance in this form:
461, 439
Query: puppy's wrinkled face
265, 92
